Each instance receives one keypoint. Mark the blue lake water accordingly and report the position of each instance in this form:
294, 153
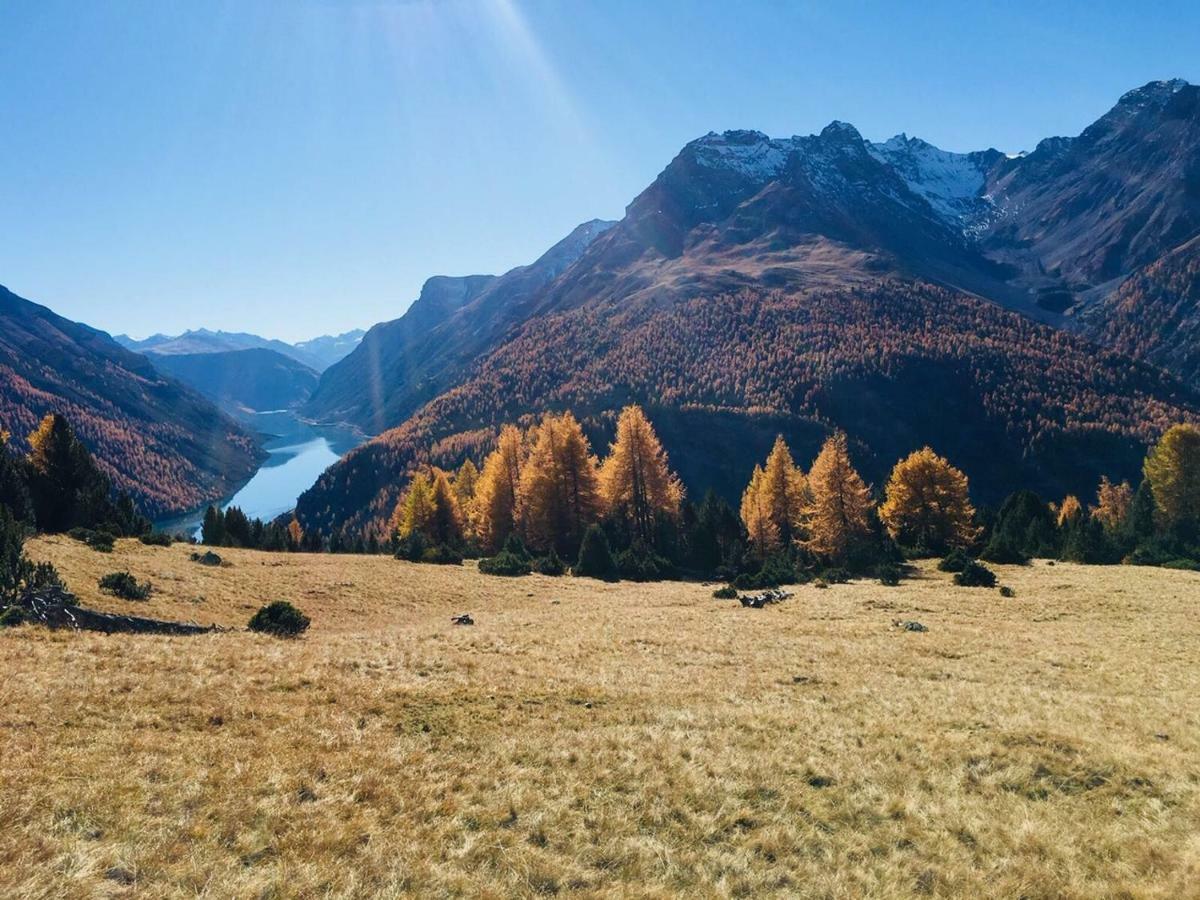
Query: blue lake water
299, 453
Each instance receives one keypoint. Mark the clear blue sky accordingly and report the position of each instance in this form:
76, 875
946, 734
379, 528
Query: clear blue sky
295, 167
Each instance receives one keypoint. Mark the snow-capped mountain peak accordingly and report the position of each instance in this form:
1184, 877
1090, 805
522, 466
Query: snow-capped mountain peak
951, 182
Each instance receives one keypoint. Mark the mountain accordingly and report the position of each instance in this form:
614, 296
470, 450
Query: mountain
257, 379
329, 349
1016, 311
170, 448
401, 364
317, 354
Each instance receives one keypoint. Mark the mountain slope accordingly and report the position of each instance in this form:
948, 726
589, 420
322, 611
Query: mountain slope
170, 448
330, 348
896, 364
237, 380
403, 363
888, 289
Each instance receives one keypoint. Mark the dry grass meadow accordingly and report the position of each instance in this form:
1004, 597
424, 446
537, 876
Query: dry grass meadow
602, 740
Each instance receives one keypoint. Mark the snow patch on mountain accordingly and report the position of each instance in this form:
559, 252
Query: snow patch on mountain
749, 153
951, 182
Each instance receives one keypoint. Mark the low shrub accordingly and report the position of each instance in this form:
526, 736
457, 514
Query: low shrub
411, 547
125, 586
505, 563
728, 592
1187, 565
207, 558
1006, 591
99, 540
976, 575
595, 556
280, 619
889, 575
820, 583
156, 539
640, 563
776, 570
955, 561
11, 617
836, 576
550, 564
442, 555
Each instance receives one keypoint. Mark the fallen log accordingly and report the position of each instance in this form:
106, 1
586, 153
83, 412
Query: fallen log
56, 608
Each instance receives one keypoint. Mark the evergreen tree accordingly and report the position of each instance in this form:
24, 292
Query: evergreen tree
1025, 527
838, 513
212, 531
595, 556
14, 483
67, 488
445, 527
636, 482
558, 493
1173, 469
1140, 524
414, 512
496, 490
928, 504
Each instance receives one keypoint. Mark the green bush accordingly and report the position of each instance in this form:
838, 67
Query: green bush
976, 575
550, 564
442, 555
156, 539
729, 592
1187, 565
125, 586
889, 575
1006, 591
280, 619
955, 561
505, 563
411, 547
776, 570
640, 563
207, 558
836, 576
101, 541
11, 617
595, 557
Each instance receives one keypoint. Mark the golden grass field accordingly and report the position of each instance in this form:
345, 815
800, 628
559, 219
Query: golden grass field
599, 740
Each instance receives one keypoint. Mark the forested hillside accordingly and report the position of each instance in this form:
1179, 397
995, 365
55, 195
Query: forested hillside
160, 441
895, 364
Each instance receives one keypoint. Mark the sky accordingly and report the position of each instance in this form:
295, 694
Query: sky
300, 167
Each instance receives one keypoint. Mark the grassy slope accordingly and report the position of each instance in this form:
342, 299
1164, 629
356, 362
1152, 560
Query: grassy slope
611, 739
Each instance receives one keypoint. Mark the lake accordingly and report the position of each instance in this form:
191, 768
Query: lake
299, 453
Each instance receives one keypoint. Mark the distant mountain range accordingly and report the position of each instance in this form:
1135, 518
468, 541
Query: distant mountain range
1034, 316
169, 447
317, 354
241, 381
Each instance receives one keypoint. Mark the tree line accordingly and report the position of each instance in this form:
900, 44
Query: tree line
541, 491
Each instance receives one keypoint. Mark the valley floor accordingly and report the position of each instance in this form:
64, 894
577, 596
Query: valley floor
603, 739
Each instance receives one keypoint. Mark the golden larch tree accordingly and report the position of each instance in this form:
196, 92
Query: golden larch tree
756, 516
496, 491
430, 508
838, 511
1112, 504
1173, 470
1069, 511
558, 495
636, 481
784, 489
927, 503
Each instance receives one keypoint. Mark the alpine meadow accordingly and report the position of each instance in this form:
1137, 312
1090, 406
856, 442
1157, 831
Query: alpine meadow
818, 518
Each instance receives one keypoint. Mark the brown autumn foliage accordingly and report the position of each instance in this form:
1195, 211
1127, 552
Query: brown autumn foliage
1112, 503
773, 502
880, 362
839, 503
927, 503
496, 493
559, 491
636, 481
